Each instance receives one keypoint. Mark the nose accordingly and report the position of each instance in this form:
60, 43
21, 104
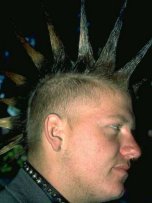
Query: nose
130, 149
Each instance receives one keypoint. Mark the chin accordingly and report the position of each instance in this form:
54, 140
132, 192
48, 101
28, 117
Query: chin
115, 196
116, 192
109, 194
120, 194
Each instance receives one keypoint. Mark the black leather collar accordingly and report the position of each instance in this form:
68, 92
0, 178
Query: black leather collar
50, 191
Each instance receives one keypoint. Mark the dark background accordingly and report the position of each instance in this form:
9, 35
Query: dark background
136, 31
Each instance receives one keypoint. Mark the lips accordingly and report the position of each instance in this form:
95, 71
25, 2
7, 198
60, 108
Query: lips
122, 169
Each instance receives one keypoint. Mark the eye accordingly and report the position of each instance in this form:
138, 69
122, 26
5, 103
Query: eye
114, 130
116, 127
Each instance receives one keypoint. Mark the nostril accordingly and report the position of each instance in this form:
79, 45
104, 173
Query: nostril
131, 152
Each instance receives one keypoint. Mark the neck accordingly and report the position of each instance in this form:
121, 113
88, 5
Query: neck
60, 177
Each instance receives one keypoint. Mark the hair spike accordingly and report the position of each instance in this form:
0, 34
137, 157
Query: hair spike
106, 61
129, 68
7, 122
9, 101
56, 43
85, 52
61, 61
12, 143
16, 78
37, 58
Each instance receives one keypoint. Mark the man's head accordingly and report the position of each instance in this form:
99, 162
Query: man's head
55, 94
83, 124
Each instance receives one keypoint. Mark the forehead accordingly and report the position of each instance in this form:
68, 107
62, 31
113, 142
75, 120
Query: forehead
100, 97
107, 105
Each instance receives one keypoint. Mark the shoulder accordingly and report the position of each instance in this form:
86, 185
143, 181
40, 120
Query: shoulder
6, 197
23, 189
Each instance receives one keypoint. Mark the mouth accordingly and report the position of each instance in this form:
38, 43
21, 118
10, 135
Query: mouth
122, 169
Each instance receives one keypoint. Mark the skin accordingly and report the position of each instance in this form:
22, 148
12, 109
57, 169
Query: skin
87, 160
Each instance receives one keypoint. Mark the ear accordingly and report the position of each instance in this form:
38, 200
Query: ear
54, 131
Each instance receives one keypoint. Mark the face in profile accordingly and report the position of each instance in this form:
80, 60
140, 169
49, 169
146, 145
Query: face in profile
100, 146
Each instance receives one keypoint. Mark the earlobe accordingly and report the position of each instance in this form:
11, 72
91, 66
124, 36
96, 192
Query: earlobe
54, 131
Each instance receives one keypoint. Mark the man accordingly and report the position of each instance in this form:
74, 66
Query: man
80, 142
79, 125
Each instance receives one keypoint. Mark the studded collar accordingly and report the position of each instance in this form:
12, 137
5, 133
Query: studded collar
50, 191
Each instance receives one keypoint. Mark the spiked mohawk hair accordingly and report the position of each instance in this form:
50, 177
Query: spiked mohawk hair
85, 64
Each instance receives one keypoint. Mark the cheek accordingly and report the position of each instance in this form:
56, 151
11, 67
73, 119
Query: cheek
83, 151
94, 141
90, 148
92, 151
